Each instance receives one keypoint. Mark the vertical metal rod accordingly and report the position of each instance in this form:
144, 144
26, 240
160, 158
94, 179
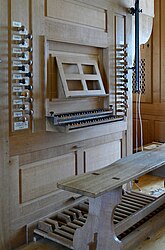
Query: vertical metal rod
137, 45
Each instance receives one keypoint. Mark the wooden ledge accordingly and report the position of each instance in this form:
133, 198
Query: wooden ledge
96, 183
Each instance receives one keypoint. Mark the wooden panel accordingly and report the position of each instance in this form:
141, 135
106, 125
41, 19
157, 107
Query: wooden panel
162, 46
154, 109
4, 197
37, 9
14, 186
67, 32
3, 71
61, 105
120, 29
102, 155
77, 13
54, 46
20, 11
147, 132
4, 145
40, 141
159, 128
156, 63
40, 178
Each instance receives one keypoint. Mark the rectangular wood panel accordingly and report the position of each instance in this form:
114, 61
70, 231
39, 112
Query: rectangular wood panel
159, 128
4, 128
77, 13
120, 29
162, 48
146, 132
40, 178
102, 155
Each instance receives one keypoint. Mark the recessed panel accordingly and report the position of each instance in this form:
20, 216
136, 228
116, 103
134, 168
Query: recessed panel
159, 131
102, 155
76, 12
40, 178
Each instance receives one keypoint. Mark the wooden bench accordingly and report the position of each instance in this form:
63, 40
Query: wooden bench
104, 189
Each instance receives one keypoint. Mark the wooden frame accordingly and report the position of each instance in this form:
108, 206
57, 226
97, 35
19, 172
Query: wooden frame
80, 76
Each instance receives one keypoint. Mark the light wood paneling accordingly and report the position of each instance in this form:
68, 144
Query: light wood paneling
20, 10
75, 34
4, 196
52, 152
153, 107
40, 141
77, 12
38, 28
102, 155
4, 71
14, 186
40, 178
41, 157
146, 129
162, 47
159, 131
4, 127
69, 104
156, 51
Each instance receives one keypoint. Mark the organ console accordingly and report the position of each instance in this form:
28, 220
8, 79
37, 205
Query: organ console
69, 112
84, 225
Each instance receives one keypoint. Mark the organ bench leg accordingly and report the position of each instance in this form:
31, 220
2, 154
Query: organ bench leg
98, 231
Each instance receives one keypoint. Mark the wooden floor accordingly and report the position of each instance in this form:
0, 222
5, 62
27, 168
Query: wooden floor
148, 184
155, 242
43, 245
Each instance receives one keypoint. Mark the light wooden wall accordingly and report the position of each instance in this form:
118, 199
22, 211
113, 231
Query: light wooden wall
4, 129
153, 102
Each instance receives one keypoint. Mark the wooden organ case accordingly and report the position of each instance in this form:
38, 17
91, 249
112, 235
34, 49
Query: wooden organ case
69, 105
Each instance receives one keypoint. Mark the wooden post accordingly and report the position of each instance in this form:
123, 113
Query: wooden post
98, 231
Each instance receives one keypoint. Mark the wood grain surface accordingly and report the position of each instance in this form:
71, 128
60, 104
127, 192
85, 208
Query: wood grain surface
94, 184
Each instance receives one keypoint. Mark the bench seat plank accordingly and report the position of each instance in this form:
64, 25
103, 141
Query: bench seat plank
96, 183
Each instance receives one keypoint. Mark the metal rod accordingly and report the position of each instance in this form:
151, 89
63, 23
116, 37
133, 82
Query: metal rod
137, 44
